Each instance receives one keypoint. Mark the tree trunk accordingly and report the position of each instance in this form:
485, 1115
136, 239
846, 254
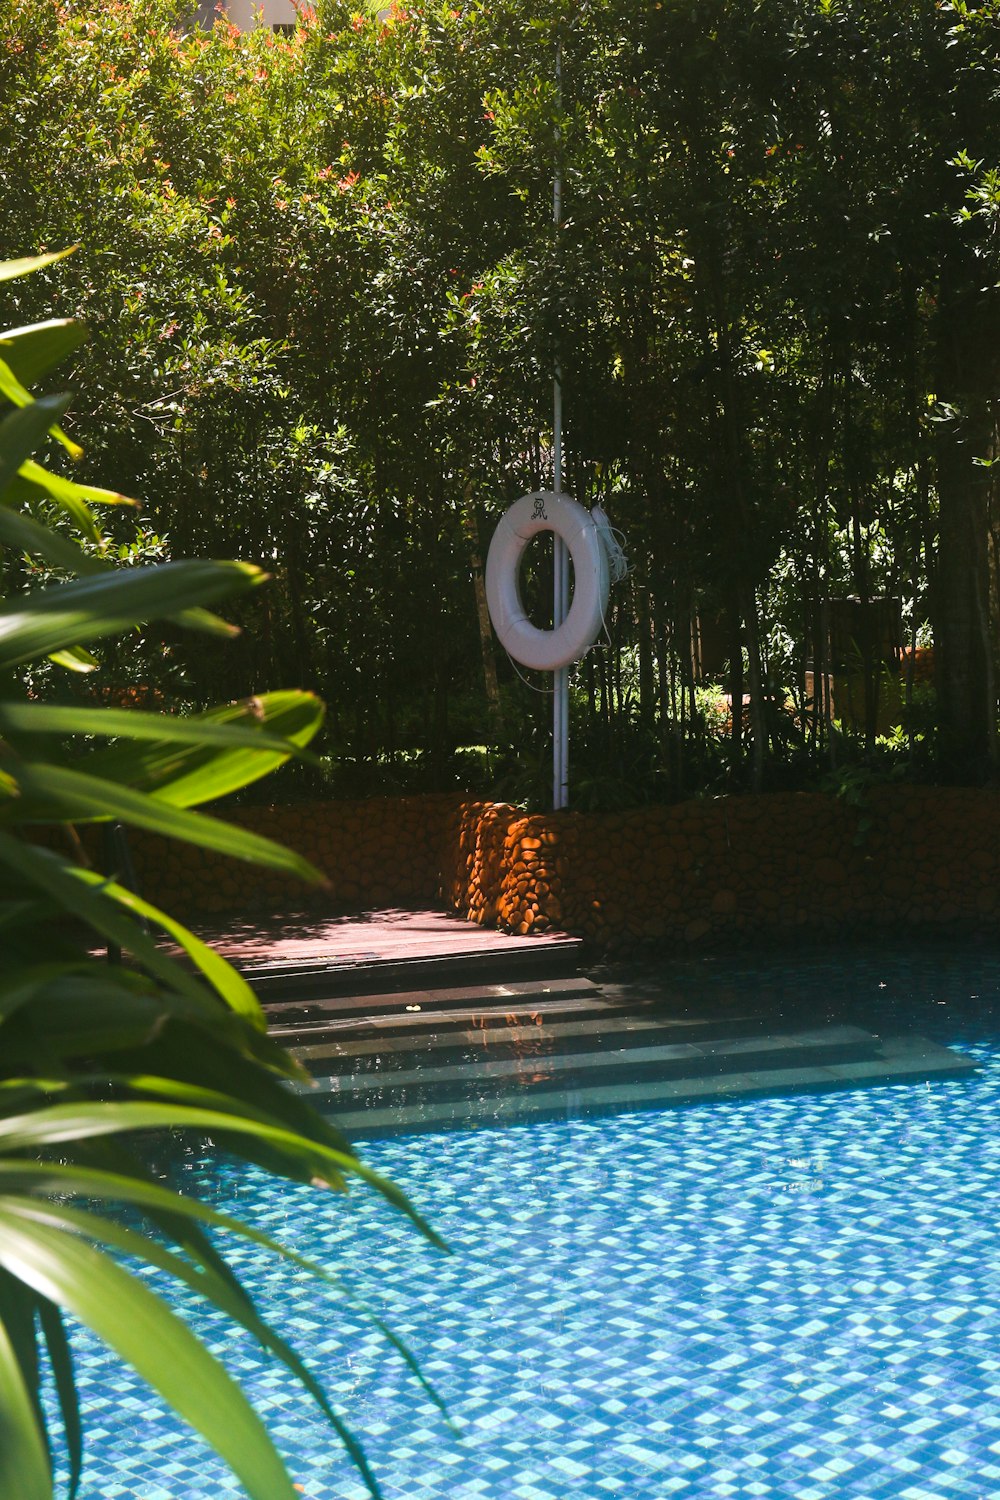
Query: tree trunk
470, 522
967, 358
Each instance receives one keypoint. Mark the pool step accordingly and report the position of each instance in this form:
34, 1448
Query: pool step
549, 1038
431, 1060
294, 1018
433, 1075
895, 1060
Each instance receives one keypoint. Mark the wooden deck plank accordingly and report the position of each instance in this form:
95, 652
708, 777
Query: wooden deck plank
390, 934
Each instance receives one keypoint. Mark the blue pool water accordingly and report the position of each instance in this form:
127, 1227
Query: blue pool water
794, 1297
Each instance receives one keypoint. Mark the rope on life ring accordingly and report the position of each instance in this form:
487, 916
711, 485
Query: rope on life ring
547, 650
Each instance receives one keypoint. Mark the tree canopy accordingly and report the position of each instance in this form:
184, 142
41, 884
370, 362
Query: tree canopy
327, 298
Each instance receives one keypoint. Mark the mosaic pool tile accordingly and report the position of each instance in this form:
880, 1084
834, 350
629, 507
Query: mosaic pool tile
770, 1299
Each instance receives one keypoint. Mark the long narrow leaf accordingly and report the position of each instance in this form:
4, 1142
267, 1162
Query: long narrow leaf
206, 771
24, 430
17, 529
11, 269
211, 1282
24, 1462
244, 725
75, 499
75, 659
70, 888
88, 1121
19, 395
89, 608
61, 1363
57, 794
36, 349
19, 985
143, 1330
224, 979
70, 491
51, 1178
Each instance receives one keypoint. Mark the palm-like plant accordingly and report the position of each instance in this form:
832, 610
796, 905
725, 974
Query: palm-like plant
93, 1057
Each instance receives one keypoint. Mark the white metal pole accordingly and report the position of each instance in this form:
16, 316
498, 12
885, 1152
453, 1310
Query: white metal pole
560, 582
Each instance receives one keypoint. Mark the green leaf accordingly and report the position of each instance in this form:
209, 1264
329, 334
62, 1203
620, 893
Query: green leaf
221, 757
92, 1011
213, 1281
33, 351
24, 532
19, 985
142, 1329
20, 530
68, 886
265, 723
10, 269
55, 793
75, 659
24, 430
71, 614
224, 979
61, 1362
75, 499
19, 395
93, 1184
24, 1462
62, 1123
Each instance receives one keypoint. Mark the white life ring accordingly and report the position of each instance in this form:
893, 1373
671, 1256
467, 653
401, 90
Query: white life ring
547, 650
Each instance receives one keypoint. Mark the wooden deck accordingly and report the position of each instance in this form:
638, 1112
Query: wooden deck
389, 950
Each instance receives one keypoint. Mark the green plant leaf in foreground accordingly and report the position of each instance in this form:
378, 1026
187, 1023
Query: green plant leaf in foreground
50, 793
61, 1363
22, 531
72, 614
33, 351
24, 430
134, 1321
11, 269
24, 1464
67, 886
183, 761
64, 1123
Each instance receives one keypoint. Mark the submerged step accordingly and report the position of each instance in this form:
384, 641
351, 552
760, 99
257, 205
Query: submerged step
499, 997
427, 1023
896, 1060
484, 1074
549, 1029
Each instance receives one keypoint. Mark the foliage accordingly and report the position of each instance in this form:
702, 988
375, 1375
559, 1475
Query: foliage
335, 298
97, 1057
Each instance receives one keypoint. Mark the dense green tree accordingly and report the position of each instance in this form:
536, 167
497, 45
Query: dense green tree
325, 283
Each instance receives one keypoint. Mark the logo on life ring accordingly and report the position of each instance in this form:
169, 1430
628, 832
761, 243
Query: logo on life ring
547, 650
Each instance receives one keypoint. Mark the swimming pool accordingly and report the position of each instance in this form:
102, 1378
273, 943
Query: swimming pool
793, 1297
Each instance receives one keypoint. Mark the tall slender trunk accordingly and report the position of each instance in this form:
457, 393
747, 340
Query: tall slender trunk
968, 367
470, 523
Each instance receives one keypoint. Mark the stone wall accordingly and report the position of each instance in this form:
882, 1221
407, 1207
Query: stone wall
383, 852
709, 871
701, 872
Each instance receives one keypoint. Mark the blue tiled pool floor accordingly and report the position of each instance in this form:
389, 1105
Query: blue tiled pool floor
795, 1298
